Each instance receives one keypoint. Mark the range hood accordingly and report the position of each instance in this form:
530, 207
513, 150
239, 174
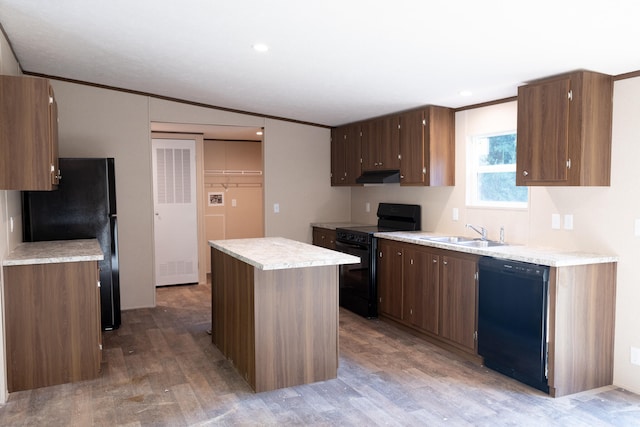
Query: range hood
379, 177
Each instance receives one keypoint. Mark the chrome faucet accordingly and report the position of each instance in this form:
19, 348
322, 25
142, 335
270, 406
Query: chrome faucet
482, 231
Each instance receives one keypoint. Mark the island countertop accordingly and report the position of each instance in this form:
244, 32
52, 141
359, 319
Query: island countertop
56, 251
278, 253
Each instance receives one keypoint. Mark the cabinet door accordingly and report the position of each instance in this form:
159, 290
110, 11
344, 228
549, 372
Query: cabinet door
388, 143
543, 132
458, 301
439, 145
53, 330
421, 288
381, 144
412, 165
369, 144
29, 140
389, 277
338, 156
324, 237
353, 156
427, 147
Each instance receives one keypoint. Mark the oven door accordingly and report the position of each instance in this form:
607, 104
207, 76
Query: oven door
357, 286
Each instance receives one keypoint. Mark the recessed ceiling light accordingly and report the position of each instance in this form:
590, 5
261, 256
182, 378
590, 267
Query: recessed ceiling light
466, 93
260, 47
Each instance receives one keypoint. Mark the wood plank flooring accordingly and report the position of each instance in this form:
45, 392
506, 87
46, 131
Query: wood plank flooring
161, 369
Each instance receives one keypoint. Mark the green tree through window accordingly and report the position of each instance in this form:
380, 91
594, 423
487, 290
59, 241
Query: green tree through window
492, 177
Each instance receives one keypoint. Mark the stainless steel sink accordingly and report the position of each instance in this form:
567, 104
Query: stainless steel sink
481, 243
448, 239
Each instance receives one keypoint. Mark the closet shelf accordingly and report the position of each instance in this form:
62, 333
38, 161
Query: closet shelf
228, 172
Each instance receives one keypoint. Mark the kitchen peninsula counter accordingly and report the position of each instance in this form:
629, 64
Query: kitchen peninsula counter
54, 252
275, 309
514, 252
52, 313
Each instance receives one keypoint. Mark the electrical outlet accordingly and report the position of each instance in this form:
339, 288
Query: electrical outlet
276, 208
455, 214
555, 221
635, 356
234, 203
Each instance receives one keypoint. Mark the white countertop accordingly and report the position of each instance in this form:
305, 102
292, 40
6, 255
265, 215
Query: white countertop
278, 253
53, 252
543, 256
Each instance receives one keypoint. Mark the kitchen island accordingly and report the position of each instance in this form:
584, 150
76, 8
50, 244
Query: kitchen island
275, 309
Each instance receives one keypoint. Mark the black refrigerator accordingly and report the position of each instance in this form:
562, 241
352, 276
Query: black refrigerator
83, 207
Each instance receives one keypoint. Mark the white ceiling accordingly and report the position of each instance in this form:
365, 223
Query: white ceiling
330, 62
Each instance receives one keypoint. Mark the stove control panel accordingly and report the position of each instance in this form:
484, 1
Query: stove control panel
353, 237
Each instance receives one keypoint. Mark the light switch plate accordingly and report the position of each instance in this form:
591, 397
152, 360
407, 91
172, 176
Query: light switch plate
367, 207
276, 208
635, 355
568, 222
455, 215
555, 221
234, 203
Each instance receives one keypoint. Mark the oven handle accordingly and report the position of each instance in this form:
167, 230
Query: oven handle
344, 245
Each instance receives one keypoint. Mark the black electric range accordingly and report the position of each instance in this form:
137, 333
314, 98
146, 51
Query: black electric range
358, 283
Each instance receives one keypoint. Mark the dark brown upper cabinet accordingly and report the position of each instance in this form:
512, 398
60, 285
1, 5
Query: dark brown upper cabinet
564, 131
381, 144
345, 155
29, 134
427, 147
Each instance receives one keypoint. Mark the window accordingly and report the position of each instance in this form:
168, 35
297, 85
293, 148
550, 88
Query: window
491, 172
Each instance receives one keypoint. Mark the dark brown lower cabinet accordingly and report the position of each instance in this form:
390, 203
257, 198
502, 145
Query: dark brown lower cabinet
422, 290
324, 237
458, 308
433, 293
53, 332
430, 290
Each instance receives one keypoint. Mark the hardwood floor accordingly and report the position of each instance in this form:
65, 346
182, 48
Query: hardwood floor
160, 368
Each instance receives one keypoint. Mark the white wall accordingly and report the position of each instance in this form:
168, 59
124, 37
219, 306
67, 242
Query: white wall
100, 122
603, 216
297, 179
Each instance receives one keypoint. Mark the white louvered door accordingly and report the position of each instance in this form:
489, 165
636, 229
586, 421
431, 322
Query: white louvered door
175, 211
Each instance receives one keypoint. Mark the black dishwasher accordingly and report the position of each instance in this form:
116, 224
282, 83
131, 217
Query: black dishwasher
512, 319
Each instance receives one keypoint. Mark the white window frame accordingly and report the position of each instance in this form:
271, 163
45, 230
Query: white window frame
473, 168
